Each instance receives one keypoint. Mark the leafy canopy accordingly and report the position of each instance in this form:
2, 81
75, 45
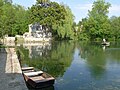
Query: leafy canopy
98, 22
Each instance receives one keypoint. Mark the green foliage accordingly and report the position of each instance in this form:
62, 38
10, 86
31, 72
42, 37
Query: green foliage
96, 25
8, 1
68, 25
83, 37
8, 19
98, 22
42, 1
13, 19
115, 27
58, 18
21, 20
83, 30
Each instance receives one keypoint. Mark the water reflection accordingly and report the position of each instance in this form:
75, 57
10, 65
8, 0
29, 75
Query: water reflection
95, 59
37, 49
46, 88
77, 65
53, 59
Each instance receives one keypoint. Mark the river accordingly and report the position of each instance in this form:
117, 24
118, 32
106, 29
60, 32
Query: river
76, 65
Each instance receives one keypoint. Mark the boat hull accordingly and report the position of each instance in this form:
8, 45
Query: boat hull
39, 81
105, 43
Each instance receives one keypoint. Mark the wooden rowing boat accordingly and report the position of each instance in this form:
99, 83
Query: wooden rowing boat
38, 79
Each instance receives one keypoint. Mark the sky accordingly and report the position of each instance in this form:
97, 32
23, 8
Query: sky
79, 7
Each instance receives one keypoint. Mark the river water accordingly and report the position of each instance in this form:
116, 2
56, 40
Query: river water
76, 65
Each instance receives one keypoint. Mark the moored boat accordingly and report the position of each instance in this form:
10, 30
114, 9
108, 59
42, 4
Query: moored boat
38, 79
105, 43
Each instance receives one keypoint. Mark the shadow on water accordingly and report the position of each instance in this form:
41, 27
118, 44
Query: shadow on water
46, 88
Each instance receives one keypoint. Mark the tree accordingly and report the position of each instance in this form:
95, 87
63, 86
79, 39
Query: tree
66, 29
21, 20
42, 1
13, 19
8, 18
83, 31
115, 27
55, 16
1, 24
98, 22
8, 1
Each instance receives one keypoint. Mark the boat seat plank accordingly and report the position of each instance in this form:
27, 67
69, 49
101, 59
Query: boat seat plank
37, 78
27, 68
27, 71
43, 80
33, 73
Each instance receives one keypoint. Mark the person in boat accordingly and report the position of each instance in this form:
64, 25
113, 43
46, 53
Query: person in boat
104, 40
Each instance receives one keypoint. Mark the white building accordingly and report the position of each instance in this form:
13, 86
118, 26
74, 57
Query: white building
37, 32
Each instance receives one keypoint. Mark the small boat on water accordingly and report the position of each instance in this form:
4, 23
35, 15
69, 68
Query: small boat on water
38, 79
105, 43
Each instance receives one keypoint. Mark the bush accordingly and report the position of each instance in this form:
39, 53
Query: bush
83, 37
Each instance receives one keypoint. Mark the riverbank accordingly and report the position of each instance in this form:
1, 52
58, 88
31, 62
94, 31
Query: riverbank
11, 75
